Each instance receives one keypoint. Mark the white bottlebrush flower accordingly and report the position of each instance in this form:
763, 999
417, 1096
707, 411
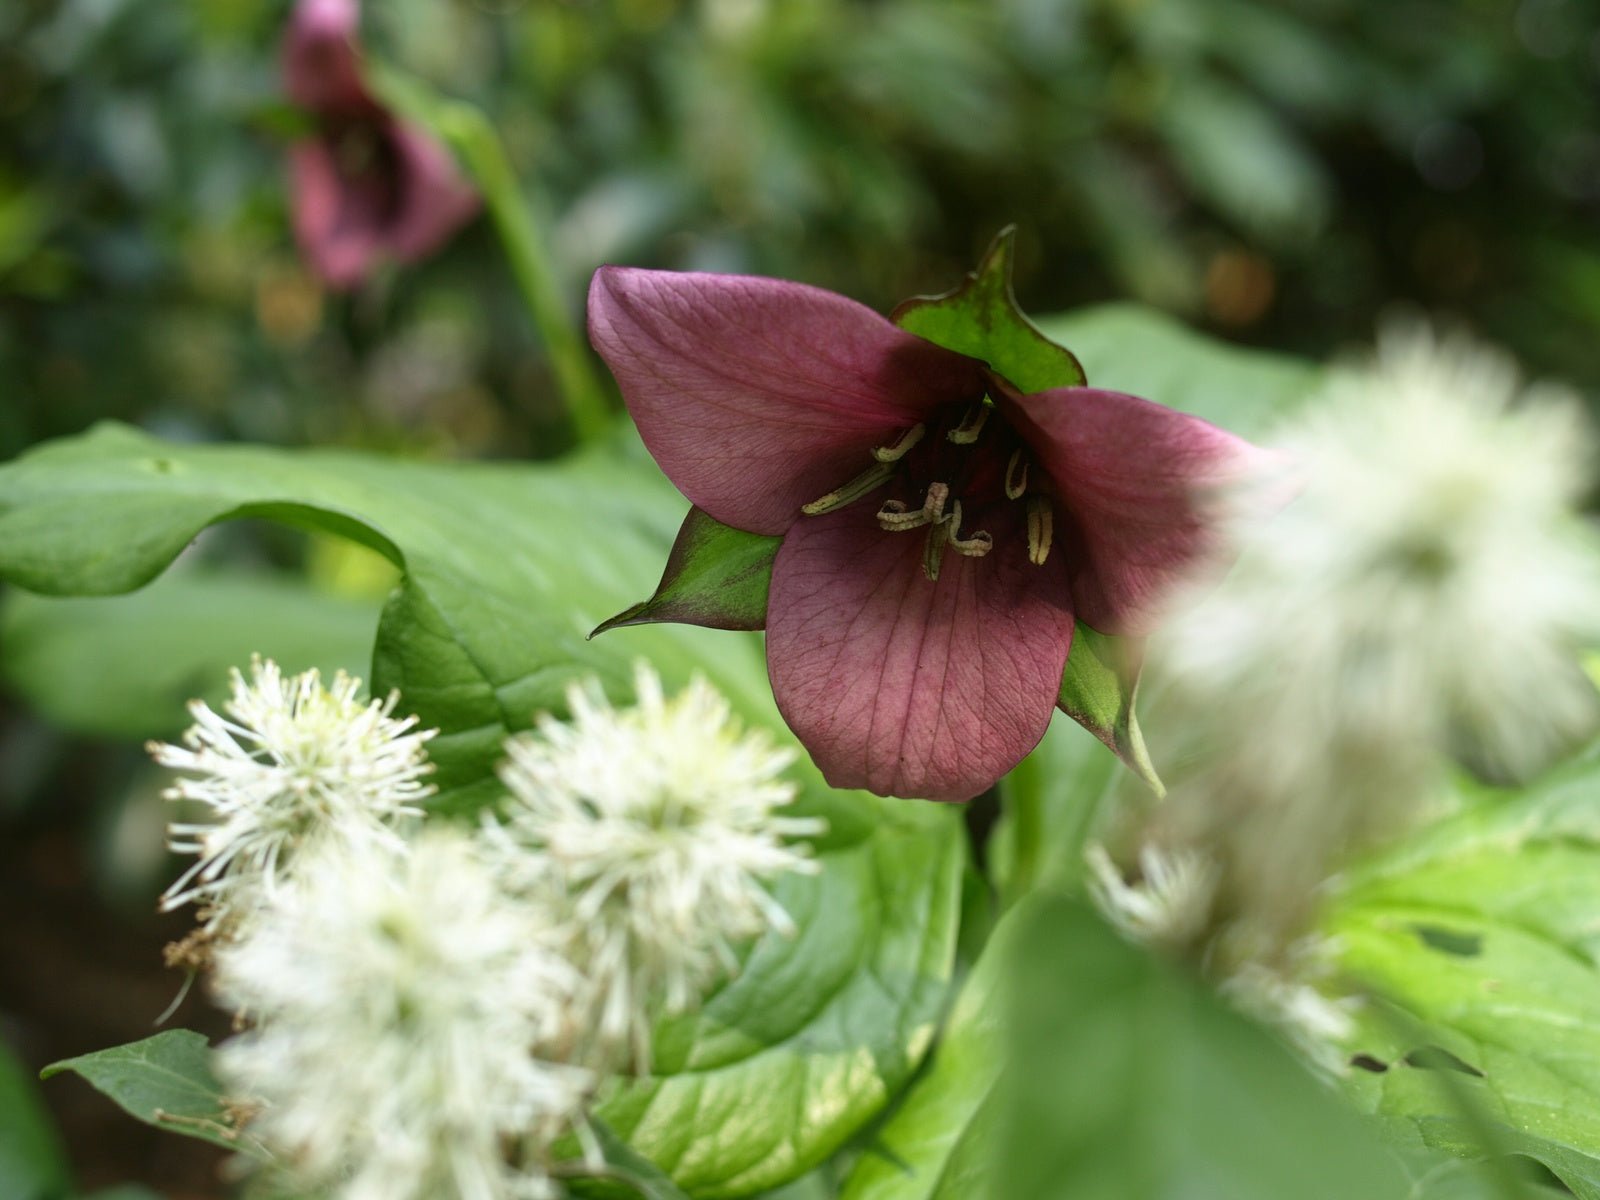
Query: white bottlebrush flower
655, 825
401, 1004
289, 762
1430, 581
1425, 592
1169, 904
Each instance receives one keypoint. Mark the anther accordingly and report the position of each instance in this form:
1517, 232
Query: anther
976, 546
894, 515
896, 450
1041, 529
971, 425
858, 487
1016, 482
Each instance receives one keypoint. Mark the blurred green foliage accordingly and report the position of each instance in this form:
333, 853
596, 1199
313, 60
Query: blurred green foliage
1277, 171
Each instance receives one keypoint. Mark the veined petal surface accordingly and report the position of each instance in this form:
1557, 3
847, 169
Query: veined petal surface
757, 396
1138, 485
909, 687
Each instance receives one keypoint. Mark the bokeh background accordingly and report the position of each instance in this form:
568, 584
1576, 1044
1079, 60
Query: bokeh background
1275, 173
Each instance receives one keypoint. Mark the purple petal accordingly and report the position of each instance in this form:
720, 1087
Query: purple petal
1137, 484
906, 687
756, 395
321, 63
403, 203
434, 199
339, 225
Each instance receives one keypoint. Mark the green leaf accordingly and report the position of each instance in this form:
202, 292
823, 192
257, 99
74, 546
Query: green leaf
164, 1081
126, 666
1099, 689
815, 1036
502, 574
1482, 933
1130, 1081
935, 1145
981, 319
716, 576
33, 1165
626, 1172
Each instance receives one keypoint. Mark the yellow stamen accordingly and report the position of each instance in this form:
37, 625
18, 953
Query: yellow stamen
874, 476
971, 425
1016, 483
976, 546
933, 550
1041, 529
896, 450
895, 517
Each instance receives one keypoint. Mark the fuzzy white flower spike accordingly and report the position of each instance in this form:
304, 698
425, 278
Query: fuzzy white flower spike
406, 1010
654, 825
288, 762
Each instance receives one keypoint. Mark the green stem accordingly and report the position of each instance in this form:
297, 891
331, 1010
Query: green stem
1025, 806
472, 136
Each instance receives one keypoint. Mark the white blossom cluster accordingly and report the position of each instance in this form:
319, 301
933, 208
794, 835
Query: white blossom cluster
1416, 587
288, 763
650, 826
427, 1008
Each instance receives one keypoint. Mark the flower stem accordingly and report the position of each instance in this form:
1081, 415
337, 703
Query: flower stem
471, 135
520, 224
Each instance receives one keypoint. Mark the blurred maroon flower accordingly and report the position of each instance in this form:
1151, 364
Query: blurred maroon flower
367, 185
916, 639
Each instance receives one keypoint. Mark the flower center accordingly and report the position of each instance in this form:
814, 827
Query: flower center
956, 469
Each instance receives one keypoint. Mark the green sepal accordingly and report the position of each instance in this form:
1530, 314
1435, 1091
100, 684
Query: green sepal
981, 319
1098, 690
716, 576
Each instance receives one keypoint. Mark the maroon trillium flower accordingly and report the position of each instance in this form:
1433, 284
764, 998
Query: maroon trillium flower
941, 530
367, 185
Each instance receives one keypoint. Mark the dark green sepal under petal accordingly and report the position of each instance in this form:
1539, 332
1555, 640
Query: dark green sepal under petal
1098, 690
716, 576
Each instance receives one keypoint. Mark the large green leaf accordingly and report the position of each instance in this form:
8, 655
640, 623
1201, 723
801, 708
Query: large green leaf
32, 1164
1130, 1081
936, 1145
812, 1039
1482, 933
125, 666
164, 1081
504, 570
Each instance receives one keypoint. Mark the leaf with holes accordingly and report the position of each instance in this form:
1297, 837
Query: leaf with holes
1482, 934
1129, 1080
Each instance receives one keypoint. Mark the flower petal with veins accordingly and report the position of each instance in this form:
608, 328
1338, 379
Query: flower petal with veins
906, 687
757, 396
1136, 481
